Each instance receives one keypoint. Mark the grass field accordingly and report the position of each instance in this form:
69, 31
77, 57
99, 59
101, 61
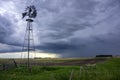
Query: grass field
107, 70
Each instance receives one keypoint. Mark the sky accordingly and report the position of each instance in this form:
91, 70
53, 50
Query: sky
69, 28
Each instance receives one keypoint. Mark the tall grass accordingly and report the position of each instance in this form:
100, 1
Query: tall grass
109, 70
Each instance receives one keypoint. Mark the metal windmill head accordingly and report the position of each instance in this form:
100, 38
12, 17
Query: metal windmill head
30, 11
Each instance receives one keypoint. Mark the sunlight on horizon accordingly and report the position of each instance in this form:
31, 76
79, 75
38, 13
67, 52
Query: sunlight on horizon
32, 55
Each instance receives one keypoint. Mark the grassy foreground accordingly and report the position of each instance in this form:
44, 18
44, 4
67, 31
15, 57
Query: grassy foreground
108, 70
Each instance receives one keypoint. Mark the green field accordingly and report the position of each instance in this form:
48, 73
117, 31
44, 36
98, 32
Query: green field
107, 70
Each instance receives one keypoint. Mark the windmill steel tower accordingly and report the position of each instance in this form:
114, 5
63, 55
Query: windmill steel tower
28, 45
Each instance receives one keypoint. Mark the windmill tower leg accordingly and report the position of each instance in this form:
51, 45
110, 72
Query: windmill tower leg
28, 41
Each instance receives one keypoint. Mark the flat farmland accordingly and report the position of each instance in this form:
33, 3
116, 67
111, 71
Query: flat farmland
63, 69
57, 61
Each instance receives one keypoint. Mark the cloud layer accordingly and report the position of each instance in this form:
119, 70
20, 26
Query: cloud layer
72, 28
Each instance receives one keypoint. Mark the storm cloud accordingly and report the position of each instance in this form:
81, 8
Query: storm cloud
71, 28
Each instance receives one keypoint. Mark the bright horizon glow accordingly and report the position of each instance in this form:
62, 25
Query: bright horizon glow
32, 55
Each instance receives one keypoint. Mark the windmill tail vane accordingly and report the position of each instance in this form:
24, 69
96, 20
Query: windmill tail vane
24, 14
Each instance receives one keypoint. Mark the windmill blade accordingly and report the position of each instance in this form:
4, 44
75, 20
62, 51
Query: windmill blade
30, 11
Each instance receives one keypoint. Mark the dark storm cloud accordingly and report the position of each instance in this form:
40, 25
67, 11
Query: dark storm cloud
77, 18
5, 29
70, 17
71, 28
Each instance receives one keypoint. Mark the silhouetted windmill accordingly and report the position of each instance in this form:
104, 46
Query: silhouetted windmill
31, 13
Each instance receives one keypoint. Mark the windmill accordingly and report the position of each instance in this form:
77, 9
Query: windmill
30, 13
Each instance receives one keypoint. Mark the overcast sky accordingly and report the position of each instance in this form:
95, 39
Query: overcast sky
71, 28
